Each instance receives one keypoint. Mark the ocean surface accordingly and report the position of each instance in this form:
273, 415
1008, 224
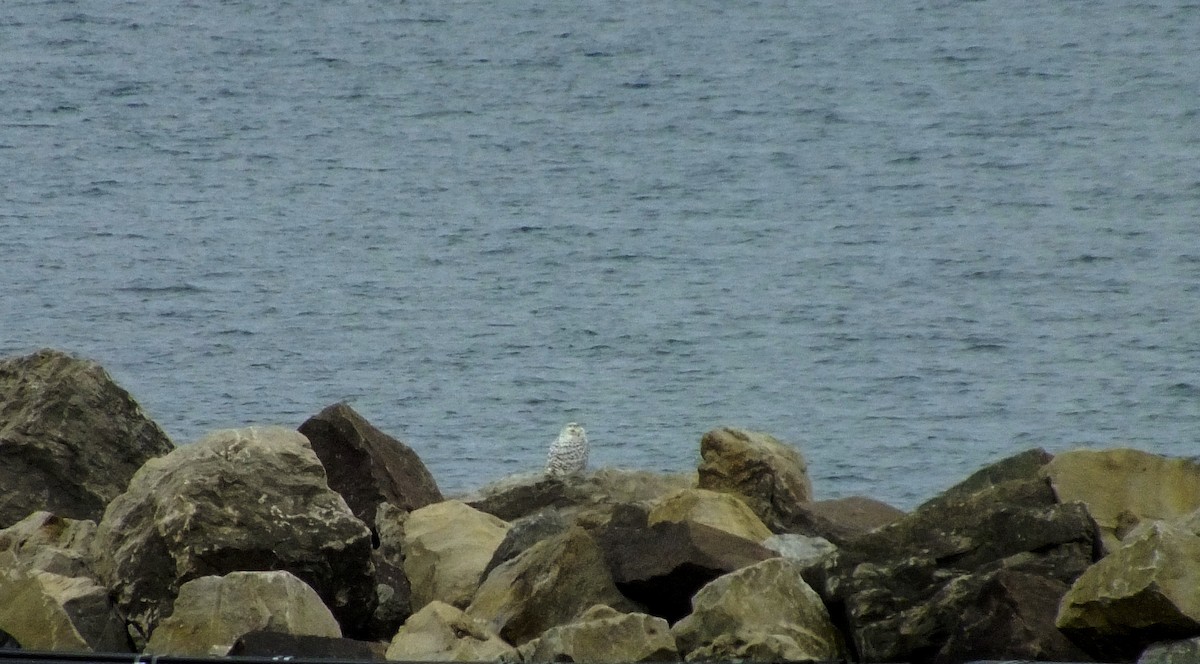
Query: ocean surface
910, 238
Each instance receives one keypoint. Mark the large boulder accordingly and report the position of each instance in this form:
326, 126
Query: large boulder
999, 615
440, 633
1122, 487
903, 588
70, 437
237, 500
213, 612
51, 543
723, 511
762, 612
46, 611
603, 634
551, 583
771, 476
367, 466
1143, 592
586, 499
447, 546
661, 566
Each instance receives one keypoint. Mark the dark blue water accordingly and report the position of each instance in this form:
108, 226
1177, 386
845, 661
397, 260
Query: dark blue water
909, 237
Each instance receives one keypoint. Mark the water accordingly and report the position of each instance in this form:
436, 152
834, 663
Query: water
910, 238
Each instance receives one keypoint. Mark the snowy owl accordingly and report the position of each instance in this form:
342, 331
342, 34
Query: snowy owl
568, 454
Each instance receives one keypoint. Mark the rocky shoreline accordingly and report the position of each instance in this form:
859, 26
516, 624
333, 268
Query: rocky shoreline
334, 540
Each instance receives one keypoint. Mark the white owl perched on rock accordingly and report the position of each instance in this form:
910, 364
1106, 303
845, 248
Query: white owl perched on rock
569, 453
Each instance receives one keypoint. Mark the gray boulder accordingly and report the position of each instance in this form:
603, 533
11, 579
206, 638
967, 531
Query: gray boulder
70, 437
237, 500
583, 499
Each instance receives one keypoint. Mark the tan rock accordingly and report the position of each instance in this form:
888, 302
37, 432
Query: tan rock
47, 611
771, 476
447, 545
440, 632
1122, 487
213, 612
764, 611
603, 634
723, 511
1144, 591
549, 584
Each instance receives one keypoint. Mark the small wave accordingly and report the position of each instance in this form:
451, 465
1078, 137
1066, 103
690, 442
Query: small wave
153, 290
1090, 258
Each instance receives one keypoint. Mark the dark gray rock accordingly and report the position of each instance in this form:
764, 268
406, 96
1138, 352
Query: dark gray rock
526, 532
662, 566
70, 437
367, 466
840, 519
901, 590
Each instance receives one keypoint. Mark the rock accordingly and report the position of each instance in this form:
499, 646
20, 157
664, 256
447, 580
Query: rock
803, 549
840, 519
46, 611
440, 632
1122, 487
1143, 592
367, 466
888, 583
286, 647
70, 438
1002, 615
213, 612
1026, 465
603, 634
586, 499
663, 565
772, 477
526, 532
723, 511
50, 543
394, 592
765, 612
447, 545
392, 586
241, 499
550, 584
1172, 652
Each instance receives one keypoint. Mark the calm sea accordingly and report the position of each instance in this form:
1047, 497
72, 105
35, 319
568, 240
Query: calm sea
908, 237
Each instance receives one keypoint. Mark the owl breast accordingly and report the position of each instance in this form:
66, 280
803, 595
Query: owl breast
569, 453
